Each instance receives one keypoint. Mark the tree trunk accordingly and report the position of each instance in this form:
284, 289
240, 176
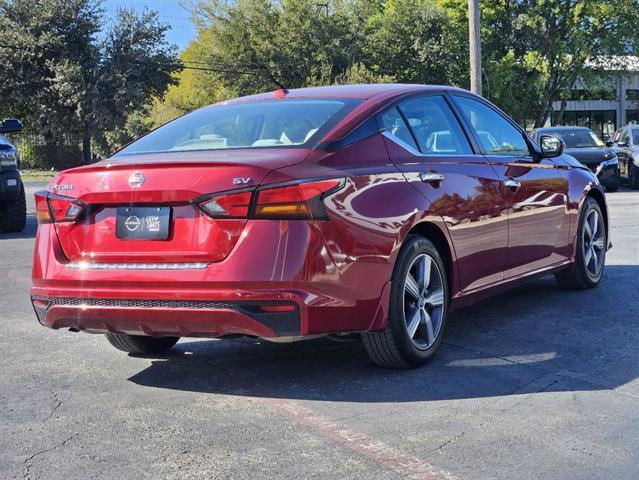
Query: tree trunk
544, 111
560, 114
51, 157
86, 148
541, 117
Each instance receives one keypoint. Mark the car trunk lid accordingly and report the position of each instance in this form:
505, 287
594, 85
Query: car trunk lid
169, 182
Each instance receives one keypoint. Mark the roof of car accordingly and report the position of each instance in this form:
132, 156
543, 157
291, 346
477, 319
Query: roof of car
360, 92
373, 97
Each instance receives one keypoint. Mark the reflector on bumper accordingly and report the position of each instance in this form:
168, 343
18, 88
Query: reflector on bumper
136, 266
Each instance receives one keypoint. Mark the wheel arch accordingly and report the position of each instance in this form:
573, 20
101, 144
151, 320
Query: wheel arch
435, 234
600, 198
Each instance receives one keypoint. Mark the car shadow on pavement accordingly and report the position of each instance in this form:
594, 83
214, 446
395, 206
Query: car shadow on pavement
29, 230
536, 333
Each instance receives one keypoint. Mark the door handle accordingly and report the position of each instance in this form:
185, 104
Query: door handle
431, 177
512, 184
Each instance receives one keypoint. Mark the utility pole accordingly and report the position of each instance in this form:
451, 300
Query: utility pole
475, 46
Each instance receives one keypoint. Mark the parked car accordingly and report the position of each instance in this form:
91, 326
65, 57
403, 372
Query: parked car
626, 145
318, 211
584, 144
13, 205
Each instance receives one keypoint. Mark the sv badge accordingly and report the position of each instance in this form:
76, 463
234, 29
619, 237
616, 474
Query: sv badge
241, 180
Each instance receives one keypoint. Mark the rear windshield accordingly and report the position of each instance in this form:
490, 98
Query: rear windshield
259, 124
578, 138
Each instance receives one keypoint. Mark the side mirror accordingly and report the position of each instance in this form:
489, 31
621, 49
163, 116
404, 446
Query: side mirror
10, 125
551, 146
610, 144
622, 144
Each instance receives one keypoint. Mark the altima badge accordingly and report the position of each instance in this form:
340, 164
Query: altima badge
136, 180
62, 187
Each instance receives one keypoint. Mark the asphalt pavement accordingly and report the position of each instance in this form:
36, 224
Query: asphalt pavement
536, 383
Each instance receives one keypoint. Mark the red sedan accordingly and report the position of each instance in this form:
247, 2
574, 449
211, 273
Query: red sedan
370, 209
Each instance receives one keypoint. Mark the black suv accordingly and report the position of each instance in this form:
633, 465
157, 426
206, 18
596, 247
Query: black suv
584, 144
13, 205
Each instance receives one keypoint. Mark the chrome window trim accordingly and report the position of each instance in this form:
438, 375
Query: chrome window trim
417, 153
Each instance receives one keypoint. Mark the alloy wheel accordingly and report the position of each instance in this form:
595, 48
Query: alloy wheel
593, 243
423, 301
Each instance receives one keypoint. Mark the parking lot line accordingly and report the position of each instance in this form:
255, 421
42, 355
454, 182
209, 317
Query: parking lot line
370, 447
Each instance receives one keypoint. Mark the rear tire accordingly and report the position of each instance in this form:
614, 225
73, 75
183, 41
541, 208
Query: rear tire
633, 176
590, 258
13, 215
417, 310
141, 344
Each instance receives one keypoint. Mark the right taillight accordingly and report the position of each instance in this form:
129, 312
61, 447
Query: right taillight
51, 207
295, 201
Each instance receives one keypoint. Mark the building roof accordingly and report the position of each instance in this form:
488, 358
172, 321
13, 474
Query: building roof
614, 63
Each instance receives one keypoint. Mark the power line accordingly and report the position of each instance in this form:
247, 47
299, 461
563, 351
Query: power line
211, 67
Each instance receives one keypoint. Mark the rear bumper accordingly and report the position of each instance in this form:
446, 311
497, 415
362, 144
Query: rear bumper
168, 317
274, 264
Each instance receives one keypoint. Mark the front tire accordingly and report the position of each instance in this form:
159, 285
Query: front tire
13, 215
417, 310
141, 344
587, 270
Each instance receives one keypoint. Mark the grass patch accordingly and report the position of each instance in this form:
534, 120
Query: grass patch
37, 175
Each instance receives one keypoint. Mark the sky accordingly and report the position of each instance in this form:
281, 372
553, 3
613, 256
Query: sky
170, 11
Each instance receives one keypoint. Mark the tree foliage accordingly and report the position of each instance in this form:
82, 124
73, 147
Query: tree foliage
411, 41
61, 77
535, 50
61, 72
249, 46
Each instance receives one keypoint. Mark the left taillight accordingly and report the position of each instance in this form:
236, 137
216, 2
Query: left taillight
51, 207
230, 205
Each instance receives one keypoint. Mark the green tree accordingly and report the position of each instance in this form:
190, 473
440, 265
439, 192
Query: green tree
534, 51
249, 46
258, 45
412, 41
60, 77
196, 85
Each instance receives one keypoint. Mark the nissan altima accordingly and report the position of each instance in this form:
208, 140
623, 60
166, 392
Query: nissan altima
373, 210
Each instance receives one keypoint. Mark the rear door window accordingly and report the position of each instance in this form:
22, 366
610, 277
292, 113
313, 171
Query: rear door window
435, 126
